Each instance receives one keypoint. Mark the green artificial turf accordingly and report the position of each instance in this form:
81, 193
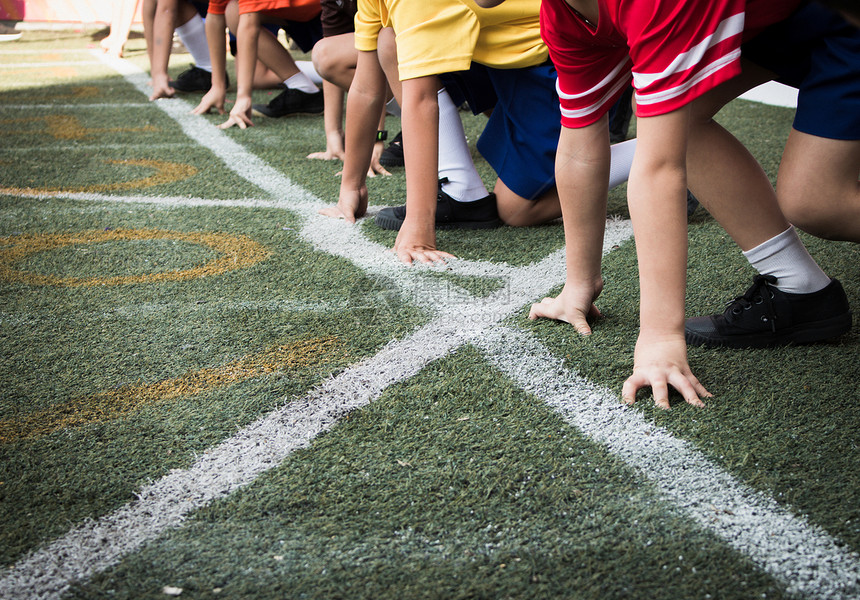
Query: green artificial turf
454, 484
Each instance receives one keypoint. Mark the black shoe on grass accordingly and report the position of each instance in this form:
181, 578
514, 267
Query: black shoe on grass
766, 316
291, 102
692, 203
392, 156
9, 34
194, 79
450, 214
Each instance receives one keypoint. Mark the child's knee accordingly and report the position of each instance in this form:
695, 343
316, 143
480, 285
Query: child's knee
321, 58
822, 214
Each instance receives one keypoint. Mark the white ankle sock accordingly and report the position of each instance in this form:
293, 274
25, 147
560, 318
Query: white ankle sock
622, 159
193, 36
785, 257
392, 108
455, 161
301, 82
307, 67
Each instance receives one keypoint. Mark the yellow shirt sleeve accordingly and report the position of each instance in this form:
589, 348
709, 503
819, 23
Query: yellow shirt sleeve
368, 21
443, 36
433, 36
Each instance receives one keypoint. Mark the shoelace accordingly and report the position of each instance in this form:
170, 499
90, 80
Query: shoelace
759, 292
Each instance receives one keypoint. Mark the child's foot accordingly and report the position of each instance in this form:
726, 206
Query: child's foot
766, 316
450, 214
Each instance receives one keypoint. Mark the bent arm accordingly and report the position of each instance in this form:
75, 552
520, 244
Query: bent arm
163, 26
363, 104
582, 175
216, 38
247, 37
420, 122
656, 196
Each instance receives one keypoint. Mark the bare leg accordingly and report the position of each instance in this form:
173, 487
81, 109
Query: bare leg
725, 177
269, 50
265, 78
335, 58
818, 188
122, 15
517, 211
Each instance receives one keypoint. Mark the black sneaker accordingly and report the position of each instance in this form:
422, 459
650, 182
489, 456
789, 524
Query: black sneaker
766, 316
194, 79
9, 34
450, 214
291, 102
392, 156
692, 203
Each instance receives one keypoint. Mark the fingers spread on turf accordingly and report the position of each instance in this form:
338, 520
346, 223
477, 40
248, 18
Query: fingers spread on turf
546, 308
556, 309
661, 393
628, 391
409, 256
685, 387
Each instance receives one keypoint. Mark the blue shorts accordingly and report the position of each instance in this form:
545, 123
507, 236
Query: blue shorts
521, 136
201, 7
818, 52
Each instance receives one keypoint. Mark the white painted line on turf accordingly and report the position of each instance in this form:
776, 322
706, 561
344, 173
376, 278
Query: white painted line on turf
98, 147
158, 201
800, 555
79, 106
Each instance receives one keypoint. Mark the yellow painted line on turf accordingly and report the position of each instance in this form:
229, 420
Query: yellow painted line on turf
84, 91
165, 172
54, 72
68, 127
115, 404
235, 252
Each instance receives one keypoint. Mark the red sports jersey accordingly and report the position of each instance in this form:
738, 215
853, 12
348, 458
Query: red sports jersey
673, 51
